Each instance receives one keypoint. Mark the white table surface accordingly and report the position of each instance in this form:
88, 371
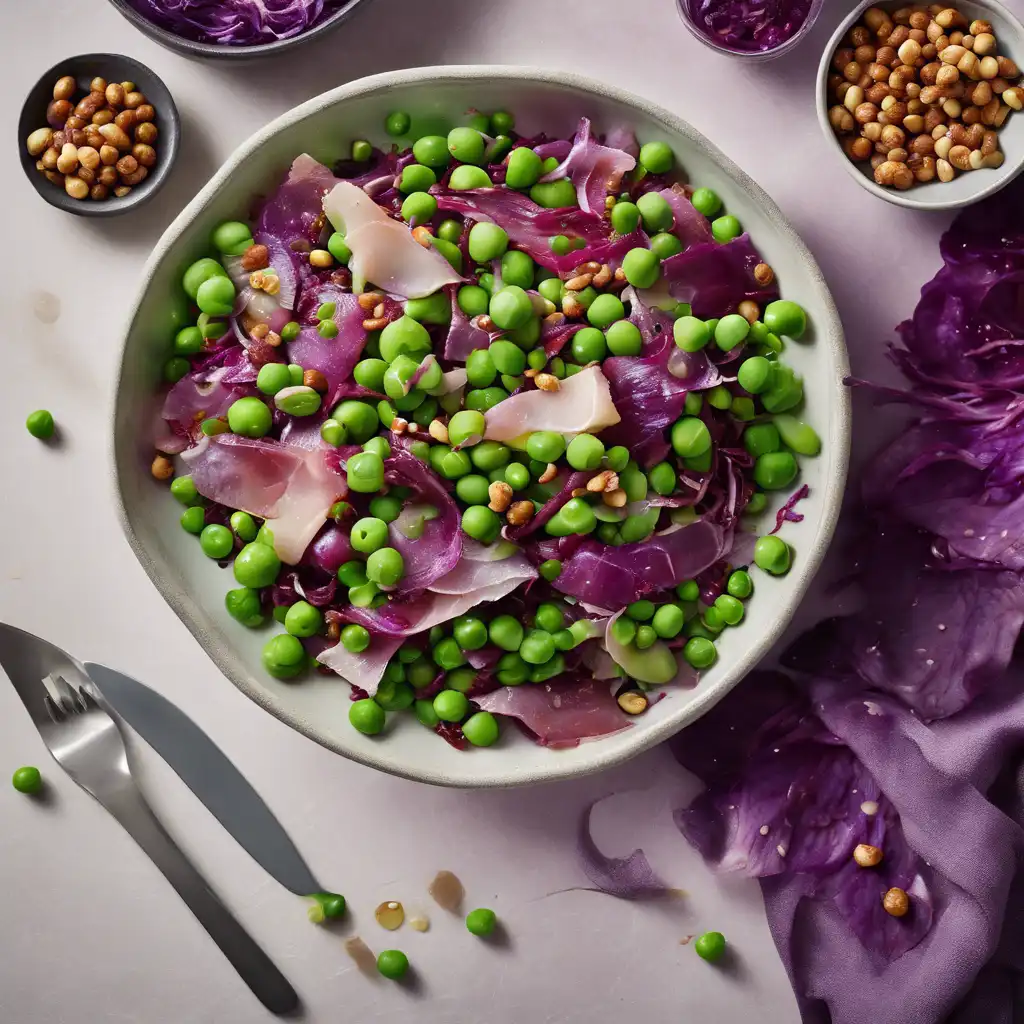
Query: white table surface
91, 932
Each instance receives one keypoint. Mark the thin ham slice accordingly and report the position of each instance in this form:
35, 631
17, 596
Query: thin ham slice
485, 565
383, 250
559, 714
583, 404
366, 669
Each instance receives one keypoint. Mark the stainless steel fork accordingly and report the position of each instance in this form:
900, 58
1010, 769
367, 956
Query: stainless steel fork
87, 739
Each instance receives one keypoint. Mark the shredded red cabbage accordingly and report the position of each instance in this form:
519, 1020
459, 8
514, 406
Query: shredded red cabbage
749, 25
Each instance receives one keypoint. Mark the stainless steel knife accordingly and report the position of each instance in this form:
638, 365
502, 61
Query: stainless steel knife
206, 770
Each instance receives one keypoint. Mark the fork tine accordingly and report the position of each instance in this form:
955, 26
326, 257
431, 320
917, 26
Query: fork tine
27, 659
53, 709
69, 697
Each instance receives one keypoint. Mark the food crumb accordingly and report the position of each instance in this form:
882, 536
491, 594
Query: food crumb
419, 924
390, 915
447, 891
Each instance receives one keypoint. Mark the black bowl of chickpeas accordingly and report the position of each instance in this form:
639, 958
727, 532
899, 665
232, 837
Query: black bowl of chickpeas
98, 134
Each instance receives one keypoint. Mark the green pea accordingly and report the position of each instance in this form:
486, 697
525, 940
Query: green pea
419, 207
786, 393
517, 268
432, 150
537, 647
517, 476
506, 632
216, 296
775, 471
397, 123
624, 630
510, 307
467, 177
449, 231
656, 212
625, 217
554, 666
690, 437
249, 417
425, 713
552, 289
668, 621
183, 489
561, 245
420, 672
554, 195
725, 229
327, 329
761, 439
365, 472
691, 334
487, 242
633, 482
369, 373
706, 201
617, 458
298, 400
483, 399
212, 329
586, 297
605, 310
473, 300
232, 238
367, 716
512, 670
302, 619
693, 404
200, 271
392, 694
502, 122
216, 541
589, 345
732, 330
575, 516
193, 520
528, 335
466, 427
557, 367
243, 605
363, 596
665, 246
488, 455
416, 178
699, 463
740, 584
368, 534
645, 637
188, 341
802, 438
523, 168
710, 946
244, 526
273, 377
176, 368
641, 267
545, 446
700, 652
743, 408
466, 145
662, 478
785, 318
256, 566
641, 611
584, 452
296, 373
284, 656
730, 608
773, 555
481, 523
481, 729
657, 157
719, 397
338, 248
450, 705
27, 780
754, 374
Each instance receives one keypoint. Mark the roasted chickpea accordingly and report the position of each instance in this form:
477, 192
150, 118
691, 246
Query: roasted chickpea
75, 187
146, 133
842, 57
127, 165
864, 55
133, 100
125, 120
99, 191
107, 176
136, 178
145, 112
114, 94
64, 88
57, 113
146, 155
104, 116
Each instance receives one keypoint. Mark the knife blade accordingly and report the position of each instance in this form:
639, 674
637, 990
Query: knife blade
209, 774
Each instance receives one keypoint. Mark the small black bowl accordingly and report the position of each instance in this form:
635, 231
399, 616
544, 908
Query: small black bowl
217, 51
115, 68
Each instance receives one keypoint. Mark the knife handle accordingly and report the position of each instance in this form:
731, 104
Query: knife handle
254, 967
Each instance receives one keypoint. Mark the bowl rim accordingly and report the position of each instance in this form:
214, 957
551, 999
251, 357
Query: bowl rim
897, 198
170, 143
213, 51
803, 572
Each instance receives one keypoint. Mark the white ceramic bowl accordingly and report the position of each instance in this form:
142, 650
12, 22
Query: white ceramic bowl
195, 587
965, 189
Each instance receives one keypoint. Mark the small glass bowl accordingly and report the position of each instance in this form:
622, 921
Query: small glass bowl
752, 56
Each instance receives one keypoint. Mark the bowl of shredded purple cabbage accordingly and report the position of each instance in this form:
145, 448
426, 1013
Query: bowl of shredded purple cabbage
499, 445
752, 29
234, 29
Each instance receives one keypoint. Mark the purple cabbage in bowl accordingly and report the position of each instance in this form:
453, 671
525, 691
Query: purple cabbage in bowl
750, 27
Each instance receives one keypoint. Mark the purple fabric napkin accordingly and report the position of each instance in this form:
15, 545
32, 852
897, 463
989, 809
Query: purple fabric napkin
903, 724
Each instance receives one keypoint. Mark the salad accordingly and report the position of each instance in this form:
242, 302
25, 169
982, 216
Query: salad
480, 422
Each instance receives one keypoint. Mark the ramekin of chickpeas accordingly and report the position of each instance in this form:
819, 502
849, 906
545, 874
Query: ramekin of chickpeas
925, 103
98, 134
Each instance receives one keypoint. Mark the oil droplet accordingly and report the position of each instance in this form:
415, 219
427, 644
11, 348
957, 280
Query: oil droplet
390, 915
46, 307
362, 954
419, 924
447, 891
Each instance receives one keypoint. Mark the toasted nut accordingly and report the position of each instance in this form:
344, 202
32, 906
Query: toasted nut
547, 382
54, 177
125, 120
598, 483
865, 55
749, 310
485, 323
321, 259
89, 177
633, 702
872, 132
116, 136
946, 77
259, 331
88, 157
114, 94
39, 141
842, 120
74, 122
897, 156
76, 187
128, 86
960, 158
499, 493
99, 191
764, 275
969, 65
1007, 68
896, 902
1002, 115
990, 111
892, 138
943, 147
423, 234
578, 283
57, 113
67, 162
982, 94
615, 499
975, 136
571, 306
162, 468
950, 17
984, 43
995, 160
107, 176
438, 431
925, 170
133, 99
1014, 98
857, 150
893, 174
989, 143
549, 474
951, 54
909, 52
49, 160
145, 112
980, 27
256, 257
88, 105
399, 425
874, 18
122, 190
129, 165
976, 160
146, 132
603, 276
368, 300
886, 56
579, 492
590, 267
875, 94
914, 123
315, 379
520, 513
64, 88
